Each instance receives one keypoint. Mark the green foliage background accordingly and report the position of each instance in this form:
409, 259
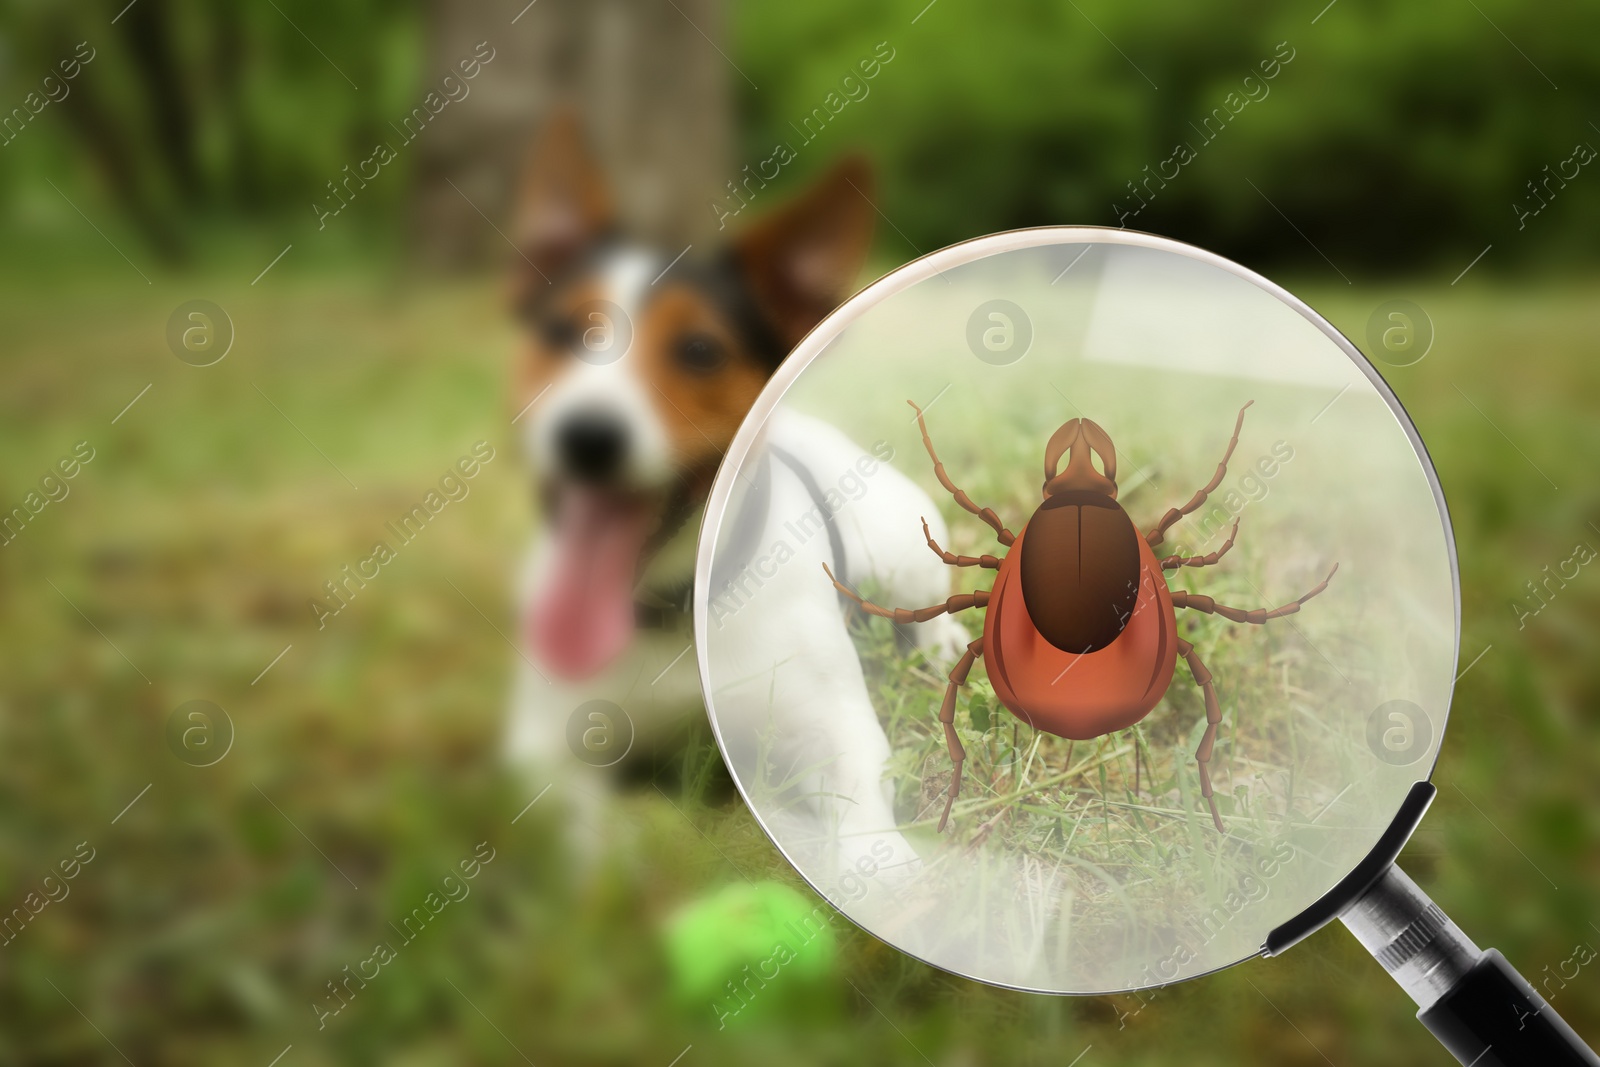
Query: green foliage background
1399, 136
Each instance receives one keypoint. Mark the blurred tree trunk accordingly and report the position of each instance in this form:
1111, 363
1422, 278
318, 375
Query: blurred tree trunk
652, 90
120, 157
149, 31
242, 170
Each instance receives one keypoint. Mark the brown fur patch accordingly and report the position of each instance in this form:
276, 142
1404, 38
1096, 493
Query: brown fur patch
700, 409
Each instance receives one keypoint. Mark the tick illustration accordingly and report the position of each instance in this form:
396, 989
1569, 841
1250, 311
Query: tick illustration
1080, 630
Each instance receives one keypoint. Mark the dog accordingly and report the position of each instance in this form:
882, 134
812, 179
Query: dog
636, 367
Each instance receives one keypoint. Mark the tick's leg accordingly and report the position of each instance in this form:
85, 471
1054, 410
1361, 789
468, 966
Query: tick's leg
1202, 755
958, 561
959, 602
1155, 536
1173, 562
986, 514
947, 716
1183, 599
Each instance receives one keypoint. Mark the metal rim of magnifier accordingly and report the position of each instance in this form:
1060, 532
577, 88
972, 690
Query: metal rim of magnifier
815, 343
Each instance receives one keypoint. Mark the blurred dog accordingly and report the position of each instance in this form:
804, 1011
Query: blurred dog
637, 366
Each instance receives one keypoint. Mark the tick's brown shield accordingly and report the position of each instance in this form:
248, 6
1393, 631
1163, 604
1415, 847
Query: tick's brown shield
1080, 571
1071, 695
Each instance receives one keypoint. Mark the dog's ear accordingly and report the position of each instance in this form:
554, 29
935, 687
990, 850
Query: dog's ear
563, 199
803, 259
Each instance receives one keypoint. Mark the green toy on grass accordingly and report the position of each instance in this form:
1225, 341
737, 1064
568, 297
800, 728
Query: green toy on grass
753, 952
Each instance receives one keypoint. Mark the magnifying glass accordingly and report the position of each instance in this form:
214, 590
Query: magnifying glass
1078, 612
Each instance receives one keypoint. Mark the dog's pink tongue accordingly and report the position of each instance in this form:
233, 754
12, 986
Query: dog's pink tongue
583, 610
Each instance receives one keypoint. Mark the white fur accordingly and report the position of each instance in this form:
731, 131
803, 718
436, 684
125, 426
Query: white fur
817, 704
789, 673
613, 387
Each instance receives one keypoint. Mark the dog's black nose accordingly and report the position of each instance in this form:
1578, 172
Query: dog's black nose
592, 445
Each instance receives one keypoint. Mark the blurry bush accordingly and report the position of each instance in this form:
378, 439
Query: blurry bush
1396, 135
1399, 134
192, 111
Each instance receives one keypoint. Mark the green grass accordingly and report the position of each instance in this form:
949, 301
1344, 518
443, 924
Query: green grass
208, 923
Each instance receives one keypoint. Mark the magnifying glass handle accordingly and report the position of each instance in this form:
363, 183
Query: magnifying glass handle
1474, 1002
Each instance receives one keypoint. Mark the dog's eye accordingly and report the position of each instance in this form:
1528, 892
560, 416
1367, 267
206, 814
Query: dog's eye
558, 332
701, 354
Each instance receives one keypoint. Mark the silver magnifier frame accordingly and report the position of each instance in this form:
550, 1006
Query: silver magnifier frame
818, 341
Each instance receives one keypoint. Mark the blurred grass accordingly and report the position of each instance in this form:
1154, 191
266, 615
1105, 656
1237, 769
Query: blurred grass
208, 922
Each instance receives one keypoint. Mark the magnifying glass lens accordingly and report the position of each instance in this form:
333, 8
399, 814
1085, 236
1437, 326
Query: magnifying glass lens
1174, 644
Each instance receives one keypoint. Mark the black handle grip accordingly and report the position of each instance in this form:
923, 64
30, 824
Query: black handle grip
1493, 1018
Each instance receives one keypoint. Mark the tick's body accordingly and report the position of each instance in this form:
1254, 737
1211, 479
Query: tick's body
1081, 632
1088, 694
